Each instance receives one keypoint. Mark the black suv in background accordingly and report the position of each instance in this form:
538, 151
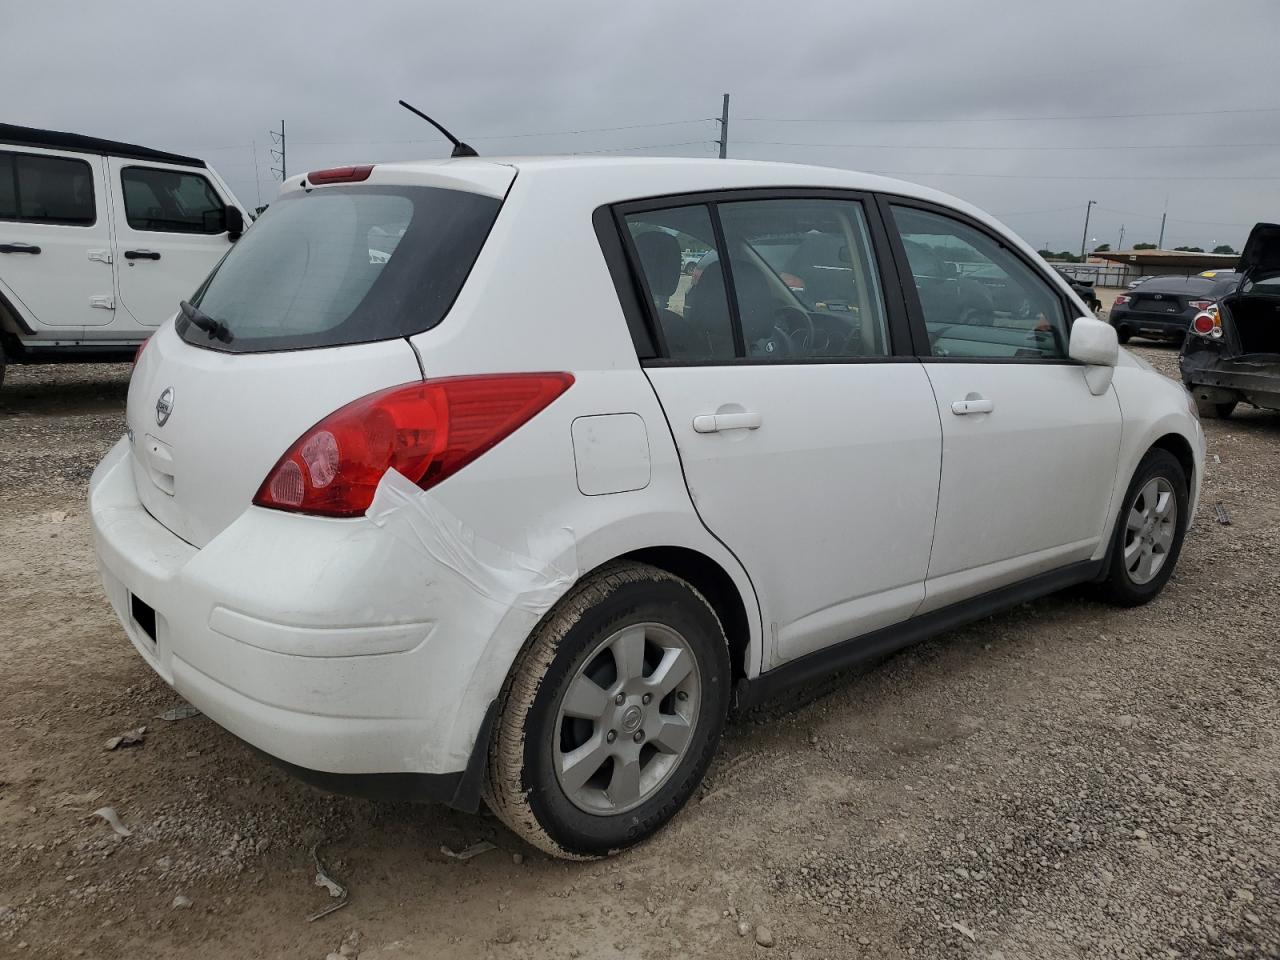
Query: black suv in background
1162, 308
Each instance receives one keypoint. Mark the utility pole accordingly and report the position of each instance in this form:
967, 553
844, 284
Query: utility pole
724, 128
278, 139
1120, 242
1085, 239
1160, 242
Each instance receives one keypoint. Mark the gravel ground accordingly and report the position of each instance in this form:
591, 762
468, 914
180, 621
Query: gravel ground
1065, 780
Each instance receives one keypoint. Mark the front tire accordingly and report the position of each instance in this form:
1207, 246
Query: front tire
611, 714
1149, 531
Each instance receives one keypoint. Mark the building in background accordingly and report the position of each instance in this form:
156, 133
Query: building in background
1116, 268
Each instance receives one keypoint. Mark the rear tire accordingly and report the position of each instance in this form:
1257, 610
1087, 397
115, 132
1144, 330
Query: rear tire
1149, 530
1215, 411
573, 769
1123, 334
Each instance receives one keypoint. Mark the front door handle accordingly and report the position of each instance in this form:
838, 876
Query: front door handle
141, 255
715, 422
974, 403
19, 248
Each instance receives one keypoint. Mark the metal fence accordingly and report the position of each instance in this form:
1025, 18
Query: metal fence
1116, 275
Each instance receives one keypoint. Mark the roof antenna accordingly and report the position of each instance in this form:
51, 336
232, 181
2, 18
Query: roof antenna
460, 149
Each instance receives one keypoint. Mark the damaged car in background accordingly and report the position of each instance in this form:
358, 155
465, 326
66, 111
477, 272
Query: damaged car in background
1233, 352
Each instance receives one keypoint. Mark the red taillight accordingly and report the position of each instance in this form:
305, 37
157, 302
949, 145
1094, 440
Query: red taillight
792, 281
1200, 304
341, 174
138, 355
1121, 300
427, 431
1207, 324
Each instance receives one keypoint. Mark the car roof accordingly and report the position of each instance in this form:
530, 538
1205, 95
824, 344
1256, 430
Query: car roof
14, 135
619, 179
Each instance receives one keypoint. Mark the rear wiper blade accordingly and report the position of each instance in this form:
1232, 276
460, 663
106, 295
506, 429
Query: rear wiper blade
214, 328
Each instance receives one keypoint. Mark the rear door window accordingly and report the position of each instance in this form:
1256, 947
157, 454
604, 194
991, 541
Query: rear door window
170, 201
805, 279
44, 189
8, 188
342, 265
678, 260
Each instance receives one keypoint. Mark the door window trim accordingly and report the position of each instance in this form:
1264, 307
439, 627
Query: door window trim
911, 297
49, 221
124, 201
623, 263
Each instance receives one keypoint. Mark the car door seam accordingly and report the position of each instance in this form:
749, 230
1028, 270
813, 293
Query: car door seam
937, 502
675, 444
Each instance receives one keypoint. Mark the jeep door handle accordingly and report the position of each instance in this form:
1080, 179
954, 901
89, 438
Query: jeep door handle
141, 255
19, 248
715, 422
972, 404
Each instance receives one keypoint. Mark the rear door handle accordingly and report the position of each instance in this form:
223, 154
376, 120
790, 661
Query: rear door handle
972, 404
19, 248
141, 255
715, 422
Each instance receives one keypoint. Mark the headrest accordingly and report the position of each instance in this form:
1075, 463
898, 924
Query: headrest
660, 258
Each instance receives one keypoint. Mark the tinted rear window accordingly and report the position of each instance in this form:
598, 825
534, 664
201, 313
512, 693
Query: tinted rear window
342, 265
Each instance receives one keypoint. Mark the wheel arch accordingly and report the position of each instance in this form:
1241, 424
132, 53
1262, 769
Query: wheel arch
1177, 444
713, 582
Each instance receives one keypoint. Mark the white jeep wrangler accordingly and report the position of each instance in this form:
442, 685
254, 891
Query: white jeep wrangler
99, 241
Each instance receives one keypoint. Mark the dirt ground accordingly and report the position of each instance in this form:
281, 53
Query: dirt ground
1066, 780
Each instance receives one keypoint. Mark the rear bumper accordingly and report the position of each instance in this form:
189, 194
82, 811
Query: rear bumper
318, 642
1140, 323
1209, 375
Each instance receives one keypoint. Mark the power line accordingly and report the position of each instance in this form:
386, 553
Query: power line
1152, 216
1021, 176
1083, 116
521, 136
1055, 148
647, 146
1027, 213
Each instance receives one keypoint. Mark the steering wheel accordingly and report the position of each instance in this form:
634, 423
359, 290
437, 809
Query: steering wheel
784, 321
777, 343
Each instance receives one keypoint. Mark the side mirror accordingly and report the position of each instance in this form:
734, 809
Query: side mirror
234, 220
1094, 344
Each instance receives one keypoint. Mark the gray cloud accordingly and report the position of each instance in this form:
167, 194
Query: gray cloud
921, 90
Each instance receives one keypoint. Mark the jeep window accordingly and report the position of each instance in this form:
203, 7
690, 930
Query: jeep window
170, 201
42, 189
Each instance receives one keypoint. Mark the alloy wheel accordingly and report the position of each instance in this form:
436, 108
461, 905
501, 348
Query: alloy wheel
1149, 530
626, 718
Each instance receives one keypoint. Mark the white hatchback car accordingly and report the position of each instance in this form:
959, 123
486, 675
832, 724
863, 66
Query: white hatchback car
450, 484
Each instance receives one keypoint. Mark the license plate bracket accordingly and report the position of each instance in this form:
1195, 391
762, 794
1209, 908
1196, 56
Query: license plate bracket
144, 615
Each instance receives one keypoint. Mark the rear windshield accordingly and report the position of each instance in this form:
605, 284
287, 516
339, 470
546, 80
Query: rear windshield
342, 265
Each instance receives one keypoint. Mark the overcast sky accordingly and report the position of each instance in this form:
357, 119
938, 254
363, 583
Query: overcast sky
955, 95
